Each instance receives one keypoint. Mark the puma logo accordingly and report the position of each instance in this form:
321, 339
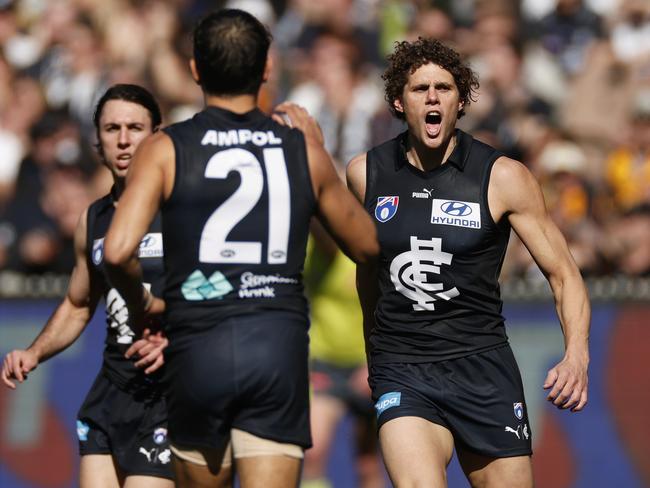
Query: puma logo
515, 432
422, 194
149, 453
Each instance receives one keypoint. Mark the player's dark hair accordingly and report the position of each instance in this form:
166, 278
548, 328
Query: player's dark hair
133, 94
409, 56
230, 50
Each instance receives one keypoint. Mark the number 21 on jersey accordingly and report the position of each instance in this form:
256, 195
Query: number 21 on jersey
215, 246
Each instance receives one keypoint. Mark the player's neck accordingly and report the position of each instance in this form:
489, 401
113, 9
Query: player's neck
427, 158
239, 104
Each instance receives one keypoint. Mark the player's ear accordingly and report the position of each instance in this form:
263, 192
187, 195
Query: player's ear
194, 71
398, 106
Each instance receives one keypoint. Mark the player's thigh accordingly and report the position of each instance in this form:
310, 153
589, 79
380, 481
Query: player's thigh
416, 451
138, 481
274, 471
98, 471
490, 472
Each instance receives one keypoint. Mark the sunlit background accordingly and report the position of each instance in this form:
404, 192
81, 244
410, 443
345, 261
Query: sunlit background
565, 88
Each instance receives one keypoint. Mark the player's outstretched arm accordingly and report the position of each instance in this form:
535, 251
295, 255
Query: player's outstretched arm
66, 323
339, 212
515, 193
146, 187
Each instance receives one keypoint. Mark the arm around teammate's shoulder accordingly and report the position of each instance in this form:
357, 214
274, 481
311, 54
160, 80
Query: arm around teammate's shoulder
515, 194
339, 212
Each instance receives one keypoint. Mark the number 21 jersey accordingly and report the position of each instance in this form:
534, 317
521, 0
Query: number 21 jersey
236, 224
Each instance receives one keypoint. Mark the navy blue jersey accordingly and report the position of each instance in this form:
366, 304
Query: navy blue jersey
236, 223
441, 254
119, 335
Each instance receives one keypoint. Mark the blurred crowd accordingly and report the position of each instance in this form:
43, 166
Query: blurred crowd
565, 88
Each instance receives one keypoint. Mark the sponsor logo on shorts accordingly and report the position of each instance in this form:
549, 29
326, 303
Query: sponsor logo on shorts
98, 251
197, 287
519, 431
518, 409
386, 208
151, 246
165, 456
156, 456
82, 430
456, 213
160, 435
513, 431
388, 400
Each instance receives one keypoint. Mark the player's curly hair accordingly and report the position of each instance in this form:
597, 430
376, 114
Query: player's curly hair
409, 56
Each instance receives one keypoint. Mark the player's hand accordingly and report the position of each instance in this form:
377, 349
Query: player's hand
568, 382
293, 115
148, 351
16, 365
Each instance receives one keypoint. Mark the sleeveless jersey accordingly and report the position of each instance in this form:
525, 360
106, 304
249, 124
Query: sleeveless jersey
120, 336
236, 223
441, 254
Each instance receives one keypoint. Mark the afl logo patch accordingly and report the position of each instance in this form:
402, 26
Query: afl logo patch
98, 251
386, 208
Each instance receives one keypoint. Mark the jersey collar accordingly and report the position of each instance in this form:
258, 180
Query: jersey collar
250, 116
458, 156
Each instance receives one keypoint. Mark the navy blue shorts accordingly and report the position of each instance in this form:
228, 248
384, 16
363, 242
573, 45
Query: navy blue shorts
479, 398
130, 426
247, 372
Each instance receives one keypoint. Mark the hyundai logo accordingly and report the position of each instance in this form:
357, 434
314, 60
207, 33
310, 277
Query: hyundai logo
457, 209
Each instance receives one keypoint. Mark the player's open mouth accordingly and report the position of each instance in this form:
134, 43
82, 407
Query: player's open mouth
123, 161
432, 123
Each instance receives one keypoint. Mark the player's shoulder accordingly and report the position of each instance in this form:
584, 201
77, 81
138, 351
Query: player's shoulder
514, 184
358, 162
507, 171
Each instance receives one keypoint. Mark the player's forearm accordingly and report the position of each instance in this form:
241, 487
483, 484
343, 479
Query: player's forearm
63, 328
574, 312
